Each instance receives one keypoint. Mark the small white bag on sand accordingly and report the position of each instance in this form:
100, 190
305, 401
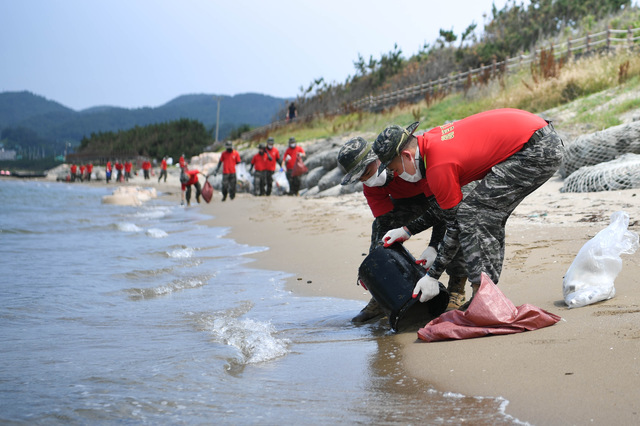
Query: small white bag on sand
590, 277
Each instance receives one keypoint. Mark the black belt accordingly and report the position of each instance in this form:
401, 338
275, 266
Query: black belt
541, 133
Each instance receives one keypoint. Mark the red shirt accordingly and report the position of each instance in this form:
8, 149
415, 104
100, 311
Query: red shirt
260, 162
275, 156
463, 151
119, 166
380, 198
108, 167
74, 168
181, 161
292, 153
193, 178
127, 166
163, 164
146, 165
89, 168
229, 161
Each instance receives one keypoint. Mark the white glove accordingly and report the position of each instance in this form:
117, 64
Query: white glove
427, 257
395, 235
429, 287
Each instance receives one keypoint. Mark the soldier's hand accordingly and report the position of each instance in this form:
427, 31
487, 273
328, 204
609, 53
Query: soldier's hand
428, 286
397, 235
427, 257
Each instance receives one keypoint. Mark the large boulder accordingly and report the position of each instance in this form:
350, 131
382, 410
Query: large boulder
599, 147
312, 178
333, 178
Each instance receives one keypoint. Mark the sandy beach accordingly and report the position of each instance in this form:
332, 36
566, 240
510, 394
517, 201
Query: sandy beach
583, 370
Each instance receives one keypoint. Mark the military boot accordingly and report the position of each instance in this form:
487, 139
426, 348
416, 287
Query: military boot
370, 312
456, 292
474, 290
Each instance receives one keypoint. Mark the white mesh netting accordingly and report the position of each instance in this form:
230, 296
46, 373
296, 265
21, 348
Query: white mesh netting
621, 173
599, 147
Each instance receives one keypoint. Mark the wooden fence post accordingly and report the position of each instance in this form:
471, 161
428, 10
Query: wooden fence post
587, 41
569, 50
629, 38
608, 38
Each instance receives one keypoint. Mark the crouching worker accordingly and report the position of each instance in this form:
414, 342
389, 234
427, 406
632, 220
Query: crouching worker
395, 202
191, 180
510, 152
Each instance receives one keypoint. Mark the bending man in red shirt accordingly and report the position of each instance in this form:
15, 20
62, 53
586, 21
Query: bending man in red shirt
193, 180
512, 152
395, 202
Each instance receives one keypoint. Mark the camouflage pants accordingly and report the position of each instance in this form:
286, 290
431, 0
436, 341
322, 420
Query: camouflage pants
229, 185
259, 182
482, 215
294, 182
269, 181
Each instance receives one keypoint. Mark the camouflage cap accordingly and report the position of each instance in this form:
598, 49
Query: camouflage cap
292, 139
354, 157
391, 141
270, 141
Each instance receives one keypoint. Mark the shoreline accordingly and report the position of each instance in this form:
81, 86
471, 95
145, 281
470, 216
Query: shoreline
549, 376
584, 369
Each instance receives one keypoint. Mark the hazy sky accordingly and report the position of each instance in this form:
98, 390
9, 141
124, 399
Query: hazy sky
137, 53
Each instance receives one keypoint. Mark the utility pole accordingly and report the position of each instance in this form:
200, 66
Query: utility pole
217, 116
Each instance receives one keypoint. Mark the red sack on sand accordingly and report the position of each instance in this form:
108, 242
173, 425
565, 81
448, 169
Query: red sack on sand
207, 192
299, 168
490, 312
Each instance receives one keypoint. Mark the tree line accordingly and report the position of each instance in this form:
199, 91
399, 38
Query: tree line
171, 139
513, 29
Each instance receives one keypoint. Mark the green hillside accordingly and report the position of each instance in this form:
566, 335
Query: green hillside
30, 123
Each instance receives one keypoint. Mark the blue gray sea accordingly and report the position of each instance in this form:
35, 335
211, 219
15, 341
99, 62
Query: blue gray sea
141, 315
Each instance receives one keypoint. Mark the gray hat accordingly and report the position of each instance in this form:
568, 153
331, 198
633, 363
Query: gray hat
354, 157
228, 144
292, 139
270, 140
391, 141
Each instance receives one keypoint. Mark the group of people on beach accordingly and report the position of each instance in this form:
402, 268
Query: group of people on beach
263, 166
80, 173
463, 179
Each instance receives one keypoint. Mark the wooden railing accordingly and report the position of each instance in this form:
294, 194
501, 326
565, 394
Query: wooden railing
610, 39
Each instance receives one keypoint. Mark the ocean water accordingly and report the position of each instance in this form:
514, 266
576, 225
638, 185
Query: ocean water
141, 315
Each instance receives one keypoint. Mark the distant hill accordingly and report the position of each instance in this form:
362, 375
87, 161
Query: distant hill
55, 123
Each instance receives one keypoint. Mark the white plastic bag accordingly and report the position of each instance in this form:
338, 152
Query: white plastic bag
590, 277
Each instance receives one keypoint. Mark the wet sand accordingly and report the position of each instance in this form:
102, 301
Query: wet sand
583, 370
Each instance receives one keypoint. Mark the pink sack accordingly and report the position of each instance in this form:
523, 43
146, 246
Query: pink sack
490, 312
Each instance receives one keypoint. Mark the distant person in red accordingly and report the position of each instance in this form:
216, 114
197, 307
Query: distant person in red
119, 168
228, 159
146, 168
127, 170
89, 169
107, 171
193, 180
261, 162
81, 175
182, 162
163, 169
271, 164
291, 154
73, 170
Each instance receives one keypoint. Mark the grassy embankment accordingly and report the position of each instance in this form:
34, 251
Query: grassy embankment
578, 90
